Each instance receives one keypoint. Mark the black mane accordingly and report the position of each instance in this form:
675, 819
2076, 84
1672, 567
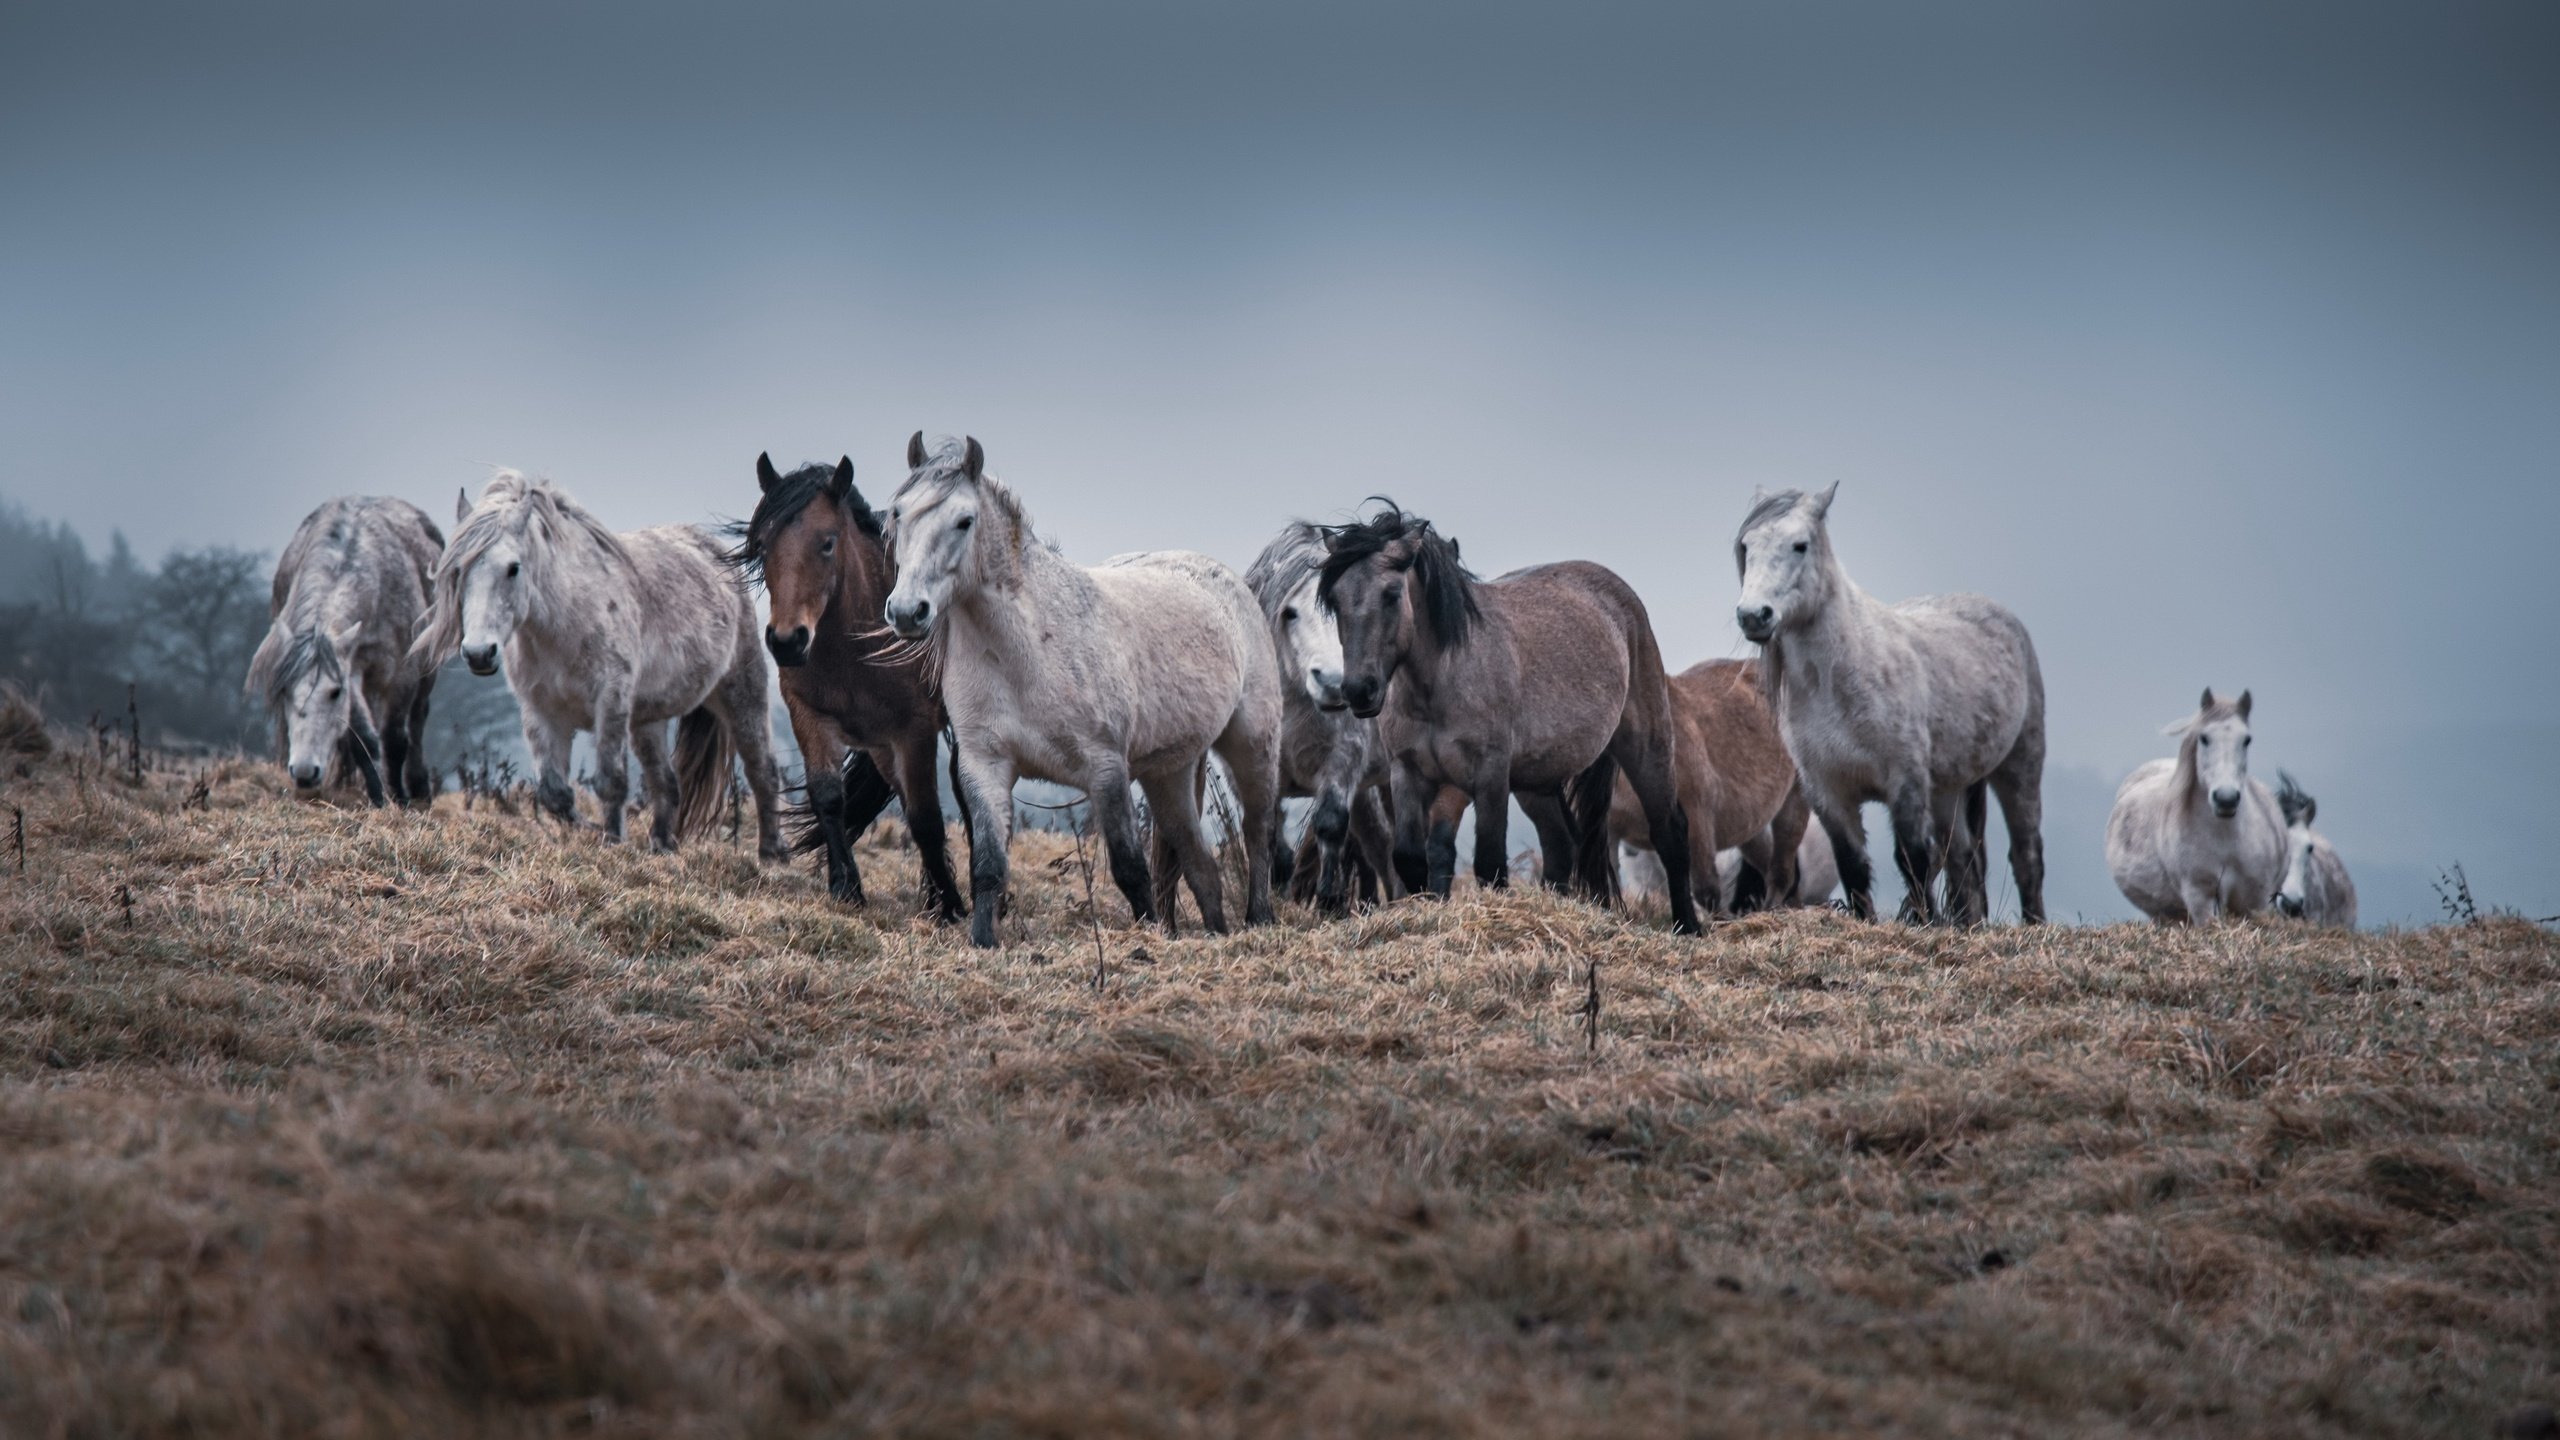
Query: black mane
781, 505
1448, 596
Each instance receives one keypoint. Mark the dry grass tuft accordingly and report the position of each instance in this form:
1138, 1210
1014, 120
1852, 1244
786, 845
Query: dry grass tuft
377, 1124
22, 732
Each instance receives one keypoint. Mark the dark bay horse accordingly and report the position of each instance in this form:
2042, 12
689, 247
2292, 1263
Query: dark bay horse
1546, 681
851, 687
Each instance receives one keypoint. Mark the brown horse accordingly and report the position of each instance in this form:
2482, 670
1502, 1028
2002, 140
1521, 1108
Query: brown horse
850, 686
1735, 782
1546, 681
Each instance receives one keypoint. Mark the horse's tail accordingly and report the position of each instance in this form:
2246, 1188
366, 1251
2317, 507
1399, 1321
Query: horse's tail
1595, 856
706, 756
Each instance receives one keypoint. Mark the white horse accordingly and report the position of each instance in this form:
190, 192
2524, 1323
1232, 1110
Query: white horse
1326, 752
1817, 873
2315, 885
616, 634
2196, 838
1088, 677
348, 594
1921, 705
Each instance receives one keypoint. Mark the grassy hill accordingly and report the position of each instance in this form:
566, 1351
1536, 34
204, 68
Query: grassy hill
370, 1124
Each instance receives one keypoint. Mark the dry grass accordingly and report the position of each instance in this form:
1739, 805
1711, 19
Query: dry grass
375, 1124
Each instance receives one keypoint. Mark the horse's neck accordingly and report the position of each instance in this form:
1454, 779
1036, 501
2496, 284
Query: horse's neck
1430, 666
1842, 633
1005, 621
862, 593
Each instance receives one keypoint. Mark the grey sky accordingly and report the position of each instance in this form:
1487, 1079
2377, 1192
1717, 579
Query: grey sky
2222, 343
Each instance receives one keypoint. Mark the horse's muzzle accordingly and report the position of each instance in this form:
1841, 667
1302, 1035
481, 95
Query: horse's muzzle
790, 650
2289, 906
1758, 623
306, 776
1365, 696
481, 662
911, 622
2226, 803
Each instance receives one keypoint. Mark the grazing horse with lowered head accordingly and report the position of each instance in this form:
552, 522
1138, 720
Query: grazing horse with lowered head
616, 634
1545, 682
349, 591
1922, 706
1133, 670
2315, 885
2197, 838
853, 691
1735, 785
1326, 752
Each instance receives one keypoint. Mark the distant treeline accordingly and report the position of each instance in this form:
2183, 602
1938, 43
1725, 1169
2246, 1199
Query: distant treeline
76, 631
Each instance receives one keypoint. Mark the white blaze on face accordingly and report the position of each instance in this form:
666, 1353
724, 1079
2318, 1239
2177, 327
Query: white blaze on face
2222, 762
934, 544
1311, 645
492, 602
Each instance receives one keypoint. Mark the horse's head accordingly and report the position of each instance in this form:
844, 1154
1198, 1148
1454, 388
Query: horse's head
2217, 739
808, 527
1782, 555
941, 545
1286, 579
490, 588
2299, 811
312, 694
1392, 583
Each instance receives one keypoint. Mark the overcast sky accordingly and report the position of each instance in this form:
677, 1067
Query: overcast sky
2221, 342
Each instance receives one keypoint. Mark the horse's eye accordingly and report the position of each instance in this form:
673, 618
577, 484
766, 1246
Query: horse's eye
514, 567
965, 522
1799, 547
1288, 614
336, 691
827, 546
2204, 740
1393, 594
2244, 742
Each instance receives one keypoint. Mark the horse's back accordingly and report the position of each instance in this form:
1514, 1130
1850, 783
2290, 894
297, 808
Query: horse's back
1191, 639
694, 623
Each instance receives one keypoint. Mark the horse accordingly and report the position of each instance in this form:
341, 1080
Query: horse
853, 691
1817, 874
334, 666
2197, 838
617, 634
2315, 885
1545, 682
1134, 670
1735, 783
1921, 705
1326, 752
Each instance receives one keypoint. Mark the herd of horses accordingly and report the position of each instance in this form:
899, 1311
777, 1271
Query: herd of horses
1361, 667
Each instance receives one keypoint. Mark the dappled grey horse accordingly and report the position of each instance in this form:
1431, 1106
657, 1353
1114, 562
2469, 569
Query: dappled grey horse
1326, 752
349, 593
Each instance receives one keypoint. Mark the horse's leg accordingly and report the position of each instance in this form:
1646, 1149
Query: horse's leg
547, 741
1116, 820
739, 703
613, 757
1955, 856
657, 784
1914, 849
1442, 850
986, 786
1645, 757
1373, 831
420, 777
1555, 838
1174, 801
1252, 758
822, 751
1846, 828
1412, 795
920, 796
1164, 863
1786, 842
2019, 782
394, 721
1977, 806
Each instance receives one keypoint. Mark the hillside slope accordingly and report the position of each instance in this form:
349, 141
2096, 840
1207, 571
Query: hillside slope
377, 1124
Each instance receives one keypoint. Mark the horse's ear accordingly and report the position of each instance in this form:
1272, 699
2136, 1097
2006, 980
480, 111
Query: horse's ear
915, 451
2207, 702
976, 463
841, 484
766, 476
2244, 704
343, 641
2310, 810
462, 503
1822, 502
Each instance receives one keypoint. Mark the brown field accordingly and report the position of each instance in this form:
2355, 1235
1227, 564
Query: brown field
379, 1124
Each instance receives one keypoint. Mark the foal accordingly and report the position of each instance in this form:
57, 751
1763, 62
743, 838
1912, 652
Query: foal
1546, 681
823, 556
1135, 669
